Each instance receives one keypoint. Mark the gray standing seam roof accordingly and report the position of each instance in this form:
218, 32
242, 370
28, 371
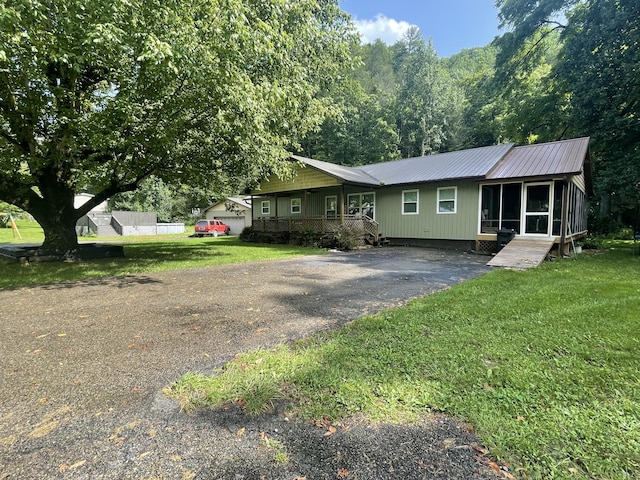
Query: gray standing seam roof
473, 163
491, 163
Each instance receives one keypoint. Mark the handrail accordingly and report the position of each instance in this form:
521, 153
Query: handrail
117, 226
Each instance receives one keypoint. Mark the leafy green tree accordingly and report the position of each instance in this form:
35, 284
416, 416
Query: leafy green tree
428, 107
601, 61
153, 195
361, 134
108, 93
589, 49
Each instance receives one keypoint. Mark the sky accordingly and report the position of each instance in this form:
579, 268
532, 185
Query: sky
451, 24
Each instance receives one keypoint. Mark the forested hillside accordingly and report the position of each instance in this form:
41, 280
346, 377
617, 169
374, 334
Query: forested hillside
564, 69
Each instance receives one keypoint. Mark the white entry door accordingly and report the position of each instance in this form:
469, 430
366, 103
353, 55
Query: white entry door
537, 208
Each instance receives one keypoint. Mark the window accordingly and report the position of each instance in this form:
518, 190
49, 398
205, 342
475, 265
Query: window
410, 202
331, 206
447, 199
361, 204
296, 205
266, 207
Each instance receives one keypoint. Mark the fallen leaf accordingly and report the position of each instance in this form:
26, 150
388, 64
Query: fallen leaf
143, 455
480, 449
176, 458
131, 345
330, 431
43, 400
63, 467
77, 464
343, 473
240, 432
520, 418
494, 466
43, 335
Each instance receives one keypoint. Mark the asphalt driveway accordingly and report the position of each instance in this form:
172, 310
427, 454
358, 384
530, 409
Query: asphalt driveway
83, 365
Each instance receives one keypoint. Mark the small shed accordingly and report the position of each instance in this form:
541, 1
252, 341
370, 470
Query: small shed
234, 211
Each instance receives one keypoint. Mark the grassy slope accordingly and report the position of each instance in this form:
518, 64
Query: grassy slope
545, 364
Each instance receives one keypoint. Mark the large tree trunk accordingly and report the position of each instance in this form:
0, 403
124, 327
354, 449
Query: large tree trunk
56, 214
60, 235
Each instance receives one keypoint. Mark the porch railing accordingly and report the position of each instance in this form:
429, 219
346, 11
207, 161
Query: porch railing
321, 225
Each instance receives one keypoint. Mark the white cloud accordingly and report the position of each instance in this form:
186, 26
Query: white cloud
386, 29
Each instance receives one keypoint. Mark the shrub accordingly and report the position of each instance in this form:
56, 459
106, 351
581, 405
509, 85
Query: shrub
349, 237
309, 237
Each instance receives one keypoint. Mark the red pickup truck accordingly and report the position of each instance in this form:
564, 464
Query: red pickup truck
211, 227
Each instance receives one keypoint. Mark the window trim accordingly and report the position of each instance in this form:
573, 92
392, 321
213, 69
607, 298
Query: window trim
299, 205
455, 201
326, 210
405, 202
267, 204
359, 208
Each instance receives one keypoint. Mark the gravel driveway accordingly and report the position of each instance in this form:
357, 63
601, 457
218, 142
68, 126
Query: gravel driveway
83, 365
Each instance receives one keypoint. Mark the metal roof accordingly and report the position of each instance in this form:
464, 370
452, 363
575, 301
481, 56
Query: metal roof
348, 174
565, 157
495, 162
472, 163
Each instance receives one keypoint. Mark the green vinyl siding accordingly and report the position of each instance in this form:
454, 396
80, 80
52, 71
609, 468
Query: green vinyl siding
428, 224
305, 178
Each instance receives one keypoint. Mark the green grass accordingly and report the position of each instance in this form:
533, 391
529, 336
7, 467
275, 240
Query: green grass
28, 232
142, 254
545, 364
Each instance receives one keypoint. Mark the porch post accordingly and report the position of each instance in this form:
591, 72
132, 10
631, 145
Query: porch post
251, 210
342, 205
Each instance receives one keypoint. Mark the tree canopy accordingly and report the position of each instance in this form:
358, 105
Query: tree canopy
107, 93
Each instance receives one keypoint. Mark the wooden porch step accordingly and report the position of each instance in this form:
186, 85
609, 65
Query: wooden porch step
523, 253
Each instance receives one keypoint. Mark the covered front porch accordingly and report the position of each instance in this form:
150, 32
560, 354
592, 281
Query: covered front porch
290, 228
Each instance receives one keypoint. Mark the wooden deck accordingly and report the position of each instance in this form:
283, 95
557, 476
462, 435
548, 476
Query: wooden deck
522, 253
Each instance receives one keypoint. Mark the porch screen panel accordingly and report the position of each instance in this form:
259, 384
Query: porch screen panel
490, 209
511, 206
558, 195
577, 210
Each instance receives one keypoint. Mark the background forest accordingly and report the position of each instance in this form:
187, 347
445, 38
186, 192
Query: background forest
564, 70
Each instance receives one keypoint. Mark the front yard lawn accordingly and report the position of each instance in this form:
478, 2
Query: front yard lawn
147, 254
544, 364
